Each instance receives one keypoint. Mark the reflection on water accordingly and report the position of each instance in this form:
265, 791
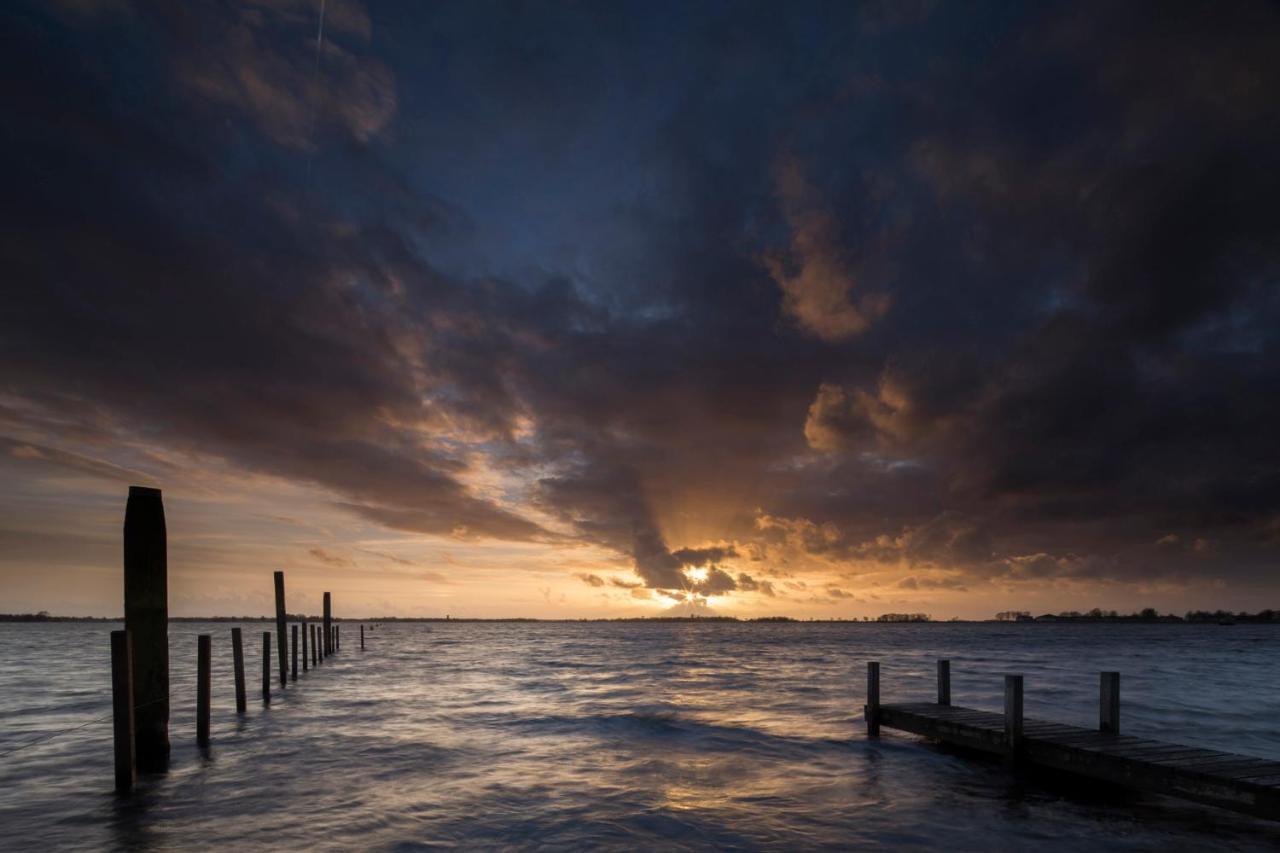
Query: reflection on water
625, 735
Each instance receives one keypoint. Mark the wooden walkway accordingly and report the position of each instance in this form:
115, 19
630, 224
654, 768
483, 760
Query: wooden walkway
1236, 782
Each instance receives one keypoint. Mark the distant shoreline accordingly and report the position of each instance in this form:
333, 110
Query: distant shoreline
1241, 619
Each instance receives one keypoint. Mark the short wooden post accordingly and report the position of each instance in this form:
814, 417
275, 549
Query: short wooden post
237, 661
282, 637
304, 646
328, 626
872, 711
361, 638
944, 682
266, 667
1109, 703
204, 687
1013, 713
337, 637
315, 646
122, 709
146, 618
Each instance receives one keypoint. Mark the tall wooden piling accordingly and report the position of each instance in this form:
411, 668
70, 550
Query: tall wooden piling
266, 667
1109, 703
282, 641
122, 710
328, 627
944, 682
293, 663
146, 618
361, 638
204, 687
304, 646
872, 710
1013, 713
237, 659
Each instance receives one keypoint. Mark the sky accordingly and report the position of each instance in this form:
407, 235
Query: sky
623, 309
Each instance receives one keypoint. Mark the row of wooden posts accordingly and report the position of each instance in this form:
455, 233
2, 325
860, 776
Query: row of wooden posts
140, 652
1108, 701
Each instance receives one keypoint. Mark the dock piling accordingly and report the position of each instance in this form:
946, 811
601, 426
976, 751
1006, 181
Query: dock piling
1013, 713
944, 682
293, 667
1109, 703
304, 646
872, 710
315, 646
328, 626
204, 687
122, 710
282, 638
361, 638
266, 667
337, 637
237, 660
146, 618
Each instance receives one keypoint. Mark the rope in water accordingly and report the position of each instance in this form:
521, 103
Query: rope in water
47, 737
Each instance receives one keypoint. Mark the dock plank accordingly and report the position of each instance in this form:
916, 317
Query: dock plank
1236, 782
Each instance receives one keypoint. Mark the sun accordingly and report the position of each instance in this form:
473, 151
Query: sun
697, 574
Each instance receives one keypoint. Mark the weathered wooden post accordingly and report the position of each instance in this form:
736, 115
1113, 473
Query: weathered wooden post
944, 682
146, 618
872, 711
122, 709
304, 646
1013, 714
282, 637
266, 667
204, 685
328, 627
337, 637
361, 638
237, 660
315, 646
293, 663
1109, 703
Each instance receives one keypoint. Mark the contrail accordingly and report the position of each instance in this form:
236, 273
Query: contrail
315, 75
320, 34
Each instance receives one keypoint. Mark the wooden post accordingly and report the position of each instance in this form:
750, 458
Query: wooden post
122, 709
328, 627
146, 618
293, 663
237, 659
872, 711
204, 686
1013, 713
361, 638
1109, 703
282, 638
315, 646
266, 667
304, 646
944, 682
337, 637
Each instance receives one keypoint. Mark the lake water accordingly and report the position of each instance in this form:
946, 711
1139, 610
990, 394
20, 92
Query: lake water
624, 735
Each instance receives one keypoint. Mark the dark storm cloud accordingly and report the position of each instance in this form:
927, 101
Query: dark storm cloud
990, 289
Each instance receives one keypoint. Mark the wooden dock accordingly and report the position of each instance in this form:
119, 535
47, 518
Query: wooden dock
1236, 782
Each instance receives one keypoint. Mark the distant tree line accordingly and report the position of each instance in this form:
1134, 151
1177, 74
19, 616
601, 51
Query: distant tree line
903, 617
1147, 614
